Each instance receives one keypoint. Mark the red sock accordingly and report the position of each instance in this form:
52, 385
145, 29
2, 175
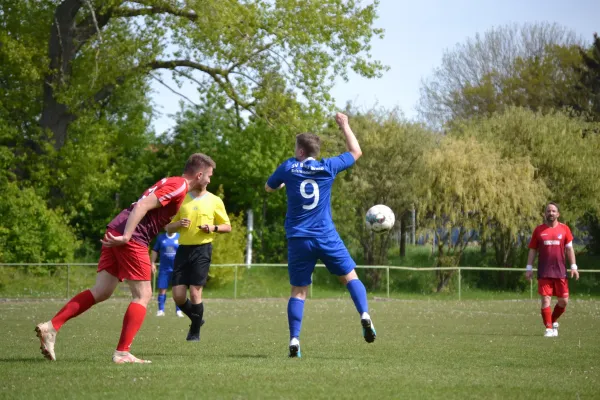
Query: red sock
547, 317
558, 311
77, 305
132, 322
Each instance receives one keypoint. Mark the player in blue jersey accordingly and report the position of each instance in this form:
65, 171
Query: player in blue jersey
309, 227
166, 246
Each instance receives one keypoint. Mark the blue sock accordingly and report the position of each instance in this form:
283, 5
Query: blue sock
161, 301
359, 295
295, 310
177, 308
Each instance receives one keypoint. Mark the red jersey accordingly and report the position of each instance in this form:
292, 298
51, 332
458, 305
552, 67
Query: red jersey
550, 244
170, 193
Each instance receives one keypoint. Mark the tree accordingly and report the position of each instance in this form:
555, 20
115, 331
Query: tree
590, 76
564, 157
245, 157
472, 77
94, 47
387, 173
470, 183
538, 83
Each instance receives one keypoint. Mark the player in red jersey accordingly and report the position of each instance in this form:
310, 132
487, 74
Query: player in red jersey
124, 255
551, 240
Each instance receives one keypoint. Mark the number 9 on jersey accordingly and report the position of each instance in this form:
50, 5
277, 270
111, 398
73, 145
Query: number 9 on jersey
314, 195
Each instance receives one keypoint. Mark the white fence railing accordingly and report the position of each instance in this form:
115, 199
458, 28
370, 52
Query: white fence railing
236, 267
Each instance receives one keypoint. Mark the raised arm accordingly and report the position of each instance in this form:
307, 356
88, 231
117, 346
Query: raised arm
351, 142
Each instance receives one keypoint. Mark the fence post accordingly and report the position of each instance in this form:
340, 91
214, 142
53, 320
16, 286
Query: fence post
154, 277
235, 282
531, 289
388, 282
68, 275
459, 279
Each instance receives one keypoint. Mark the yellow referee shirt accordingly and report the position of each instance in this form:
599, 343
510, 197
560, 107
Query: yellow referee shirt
205, 209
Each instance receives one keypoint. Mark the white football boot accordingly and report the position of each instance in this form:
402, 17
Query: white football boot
47, 335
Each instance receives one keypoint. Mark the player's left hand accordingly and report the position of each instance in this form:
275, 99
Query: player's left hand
575, 273
111, 241
206, 228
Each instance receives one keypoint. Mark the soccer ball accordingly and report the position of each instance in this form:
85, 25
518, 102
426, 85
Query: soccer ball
380, 218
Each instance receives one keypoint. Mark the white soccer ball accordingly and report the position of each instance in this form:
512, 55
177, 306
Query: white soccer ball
380, 218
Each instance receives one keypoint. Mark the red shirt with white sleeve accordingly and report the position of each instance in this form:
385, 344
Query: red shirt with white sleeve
550, 244
170, 193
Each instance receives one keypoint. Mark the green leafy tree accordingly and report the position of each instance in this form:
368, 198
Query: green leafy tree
470, 184
94, 47
564, 157
387, 173
590, 76
75, 80
245, 156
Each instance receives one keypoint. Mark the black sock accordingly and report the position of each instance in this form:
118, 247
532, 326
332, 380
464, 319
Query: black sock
196, 317
198, 311
187, 308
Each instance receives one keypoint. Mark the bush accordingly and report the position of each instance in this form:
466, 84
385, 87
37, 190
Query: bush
32, 233
228, 249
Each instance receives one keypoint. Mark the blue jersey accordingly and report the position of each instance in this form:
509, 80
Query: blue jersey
166, 245
308, 186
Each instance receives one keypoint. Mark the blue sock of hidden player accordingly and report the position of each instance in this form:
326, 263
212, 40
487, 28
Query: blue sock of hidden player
161, 302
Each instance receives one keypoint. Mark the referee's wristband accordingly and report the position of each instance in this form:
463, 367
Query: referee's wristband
573, 267
529, 268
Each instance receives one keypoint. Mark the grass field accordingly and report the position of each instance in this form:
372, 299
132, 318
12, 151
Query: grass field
425, 349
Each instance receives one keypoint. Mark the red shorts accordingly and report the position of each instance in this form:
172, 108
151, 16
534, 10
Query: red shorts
130, 261
558, 287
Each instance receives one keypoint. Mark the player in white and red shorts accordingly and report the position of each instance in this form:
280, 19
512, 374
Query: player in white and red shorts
124, 256
551, 240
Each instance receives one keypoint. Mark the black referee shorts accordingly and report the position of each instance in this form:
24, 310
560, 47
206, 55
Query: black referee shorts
191, 265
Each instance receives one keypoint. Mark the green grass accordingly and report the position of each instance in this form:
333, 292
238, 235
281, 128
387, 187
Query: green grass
425, 349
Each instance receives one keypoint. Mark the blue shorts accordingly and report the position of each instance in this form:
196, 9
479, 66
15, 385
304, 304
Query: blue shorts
303, 254
164, 278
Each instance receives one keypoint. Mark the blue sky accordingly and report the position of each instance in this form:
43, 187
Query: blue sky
416, 35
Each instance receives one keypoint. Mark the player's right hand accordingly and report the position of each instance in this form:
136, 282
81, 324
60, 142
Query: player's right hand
153, 268
528, 275
185, 222
110, 240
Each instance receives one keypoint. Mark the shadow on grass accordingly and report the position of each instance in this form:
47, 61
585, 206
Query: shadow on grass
39, 359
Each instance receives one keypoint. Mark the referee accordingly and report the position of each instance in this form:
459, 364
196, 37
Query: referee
201, 216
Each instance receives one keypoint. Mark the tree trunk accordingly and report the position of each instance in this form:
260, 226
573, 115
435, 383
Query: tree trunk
62, 49
483, 238
444, 279
56, 118
403, 237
